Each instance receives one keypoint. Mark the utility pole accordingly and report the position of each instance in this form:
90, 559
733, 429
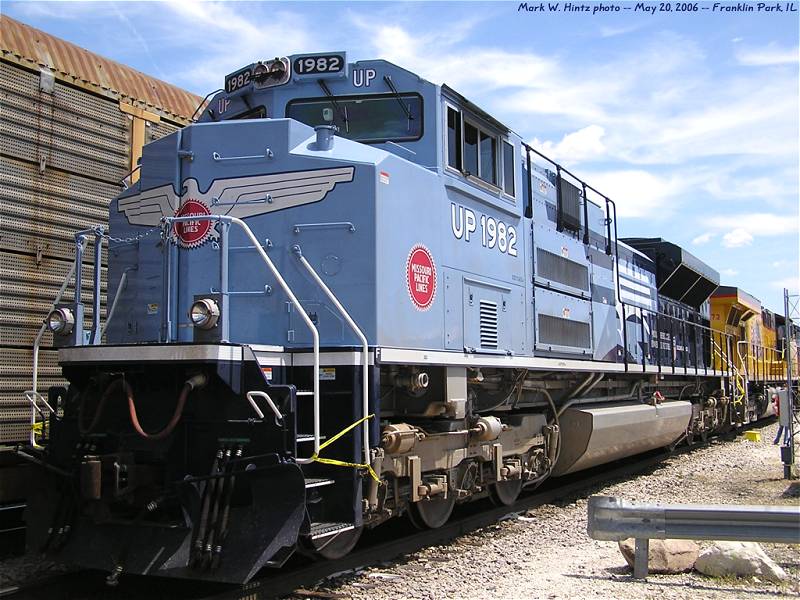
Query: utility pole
789, 416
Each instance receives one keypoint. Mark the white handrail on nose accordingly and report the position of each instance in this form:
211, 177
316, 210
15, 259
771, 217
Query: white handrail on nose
168, 221
364, 345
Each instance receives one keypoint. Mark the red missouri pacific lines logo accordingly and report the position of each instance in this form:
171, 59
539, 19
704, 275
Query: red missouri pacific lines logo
191, 234
421, 277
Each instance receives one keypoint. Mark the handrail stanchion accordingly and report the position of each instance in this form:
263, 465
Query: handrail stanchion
624, 334
672, 343
94, 337
644, 354
225, 236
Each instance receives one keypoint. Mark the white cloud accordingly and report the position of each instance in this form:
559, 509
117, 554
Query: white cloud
727, 184
790, 283
779, 264
584, 144
737, 238
757, 223
647, 104
729, 272
231, 39
615, 31
703, 238
52, 10
768, 56
637, 193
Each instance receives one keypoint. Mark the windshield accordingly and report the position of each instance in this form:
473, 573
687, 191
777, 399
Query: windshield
375, 118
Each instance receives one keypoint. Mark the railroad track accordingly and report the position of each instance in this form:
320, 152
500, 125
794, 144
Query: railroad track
387, 542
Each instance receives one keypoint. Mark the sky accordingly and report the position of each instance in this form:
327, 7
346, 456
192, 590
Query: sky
688, 120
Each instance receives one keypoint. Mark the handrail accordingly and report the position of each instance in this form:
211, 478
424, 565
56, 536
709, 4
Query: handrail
696, 327
123, 282
365, 346
170, 221
265, 396
742, 359
37, 344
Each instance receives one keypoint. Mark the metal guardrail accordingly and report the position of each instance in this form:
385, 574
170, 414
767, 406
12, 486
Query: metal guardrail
612, 519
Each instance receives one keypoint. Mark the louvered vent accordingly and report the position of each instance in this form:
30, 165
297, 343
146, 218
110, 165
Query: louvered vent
556, 331
488, 324
563, 270
570, 197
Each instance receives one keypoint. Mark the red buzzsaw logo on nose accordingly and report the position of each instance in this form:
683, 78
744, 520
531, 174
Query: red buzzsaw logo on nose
421, 277
191, 234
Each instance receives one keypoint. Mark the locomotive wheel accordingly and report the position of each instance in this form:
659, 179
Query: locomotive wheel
505, 493
330, 548
430, 514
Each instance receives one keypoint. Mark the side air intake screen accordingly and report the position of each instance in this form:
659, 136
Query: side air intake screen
563, 332
563, 270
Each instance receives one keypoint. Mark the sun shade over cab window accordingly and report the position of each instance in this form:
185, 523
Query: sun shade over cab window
368, 118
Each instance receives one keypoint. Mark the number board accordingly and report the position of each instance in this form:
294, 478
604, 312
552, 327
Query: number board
239, 80
320, 65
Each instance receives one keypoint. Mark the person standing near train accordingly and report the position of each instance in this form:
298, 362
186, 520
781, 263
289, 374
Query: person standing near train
783, 431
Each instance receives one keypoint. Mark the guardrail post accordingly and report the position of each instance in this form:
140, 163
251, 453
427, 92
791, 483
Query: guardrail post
641, 552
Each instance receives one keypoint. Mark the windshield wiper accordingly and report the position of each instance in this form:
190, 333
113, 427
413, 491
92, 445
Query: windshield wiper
332, 98
405, 108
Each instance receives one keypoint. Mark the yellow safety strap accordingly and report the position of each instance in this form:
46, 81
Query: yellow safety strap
340, 463
37, 427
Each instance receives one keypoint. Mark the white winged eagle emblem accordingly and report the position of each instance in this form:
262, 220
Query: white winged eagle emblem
237, 197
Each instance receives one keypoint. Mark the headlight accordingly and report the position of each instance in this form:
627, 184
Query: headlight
60, 321
204, 313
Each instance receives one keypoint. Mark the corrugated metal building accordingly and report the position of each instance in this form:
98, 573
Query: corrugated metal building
72, 125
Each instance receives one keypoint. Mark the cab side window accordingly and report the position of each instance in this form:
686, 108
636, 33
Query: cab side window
476, 152
454, 138
508, 168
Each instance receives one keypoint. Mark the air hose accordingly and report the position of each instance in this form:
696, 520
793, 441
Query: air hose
191, 383
197, 381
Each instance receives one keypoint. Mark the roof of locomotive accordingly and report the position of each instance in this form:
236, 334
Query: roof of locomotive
748, 300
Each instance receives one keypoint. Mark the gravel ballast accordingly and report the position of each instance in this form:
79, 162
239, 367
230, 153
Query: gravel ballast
547, 553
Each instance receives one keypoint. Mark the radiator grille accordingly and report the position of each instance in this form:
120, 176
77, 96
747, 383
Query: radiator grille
563, 270
564, 332
488, 324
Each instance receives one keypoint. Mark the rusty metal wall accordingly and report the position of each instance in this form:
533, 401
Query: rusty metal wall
33, 48
63, 153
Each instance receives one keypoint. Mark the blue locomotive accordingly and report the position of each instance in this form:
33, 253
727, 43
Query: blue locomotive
347, 294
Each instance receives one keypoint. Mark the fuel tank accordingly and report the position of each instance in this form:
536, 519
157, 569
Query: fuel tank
593, 435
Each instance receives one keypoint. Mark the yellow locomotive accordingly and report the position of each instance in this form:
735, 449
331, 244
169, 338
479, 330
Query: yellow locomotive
750, 335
